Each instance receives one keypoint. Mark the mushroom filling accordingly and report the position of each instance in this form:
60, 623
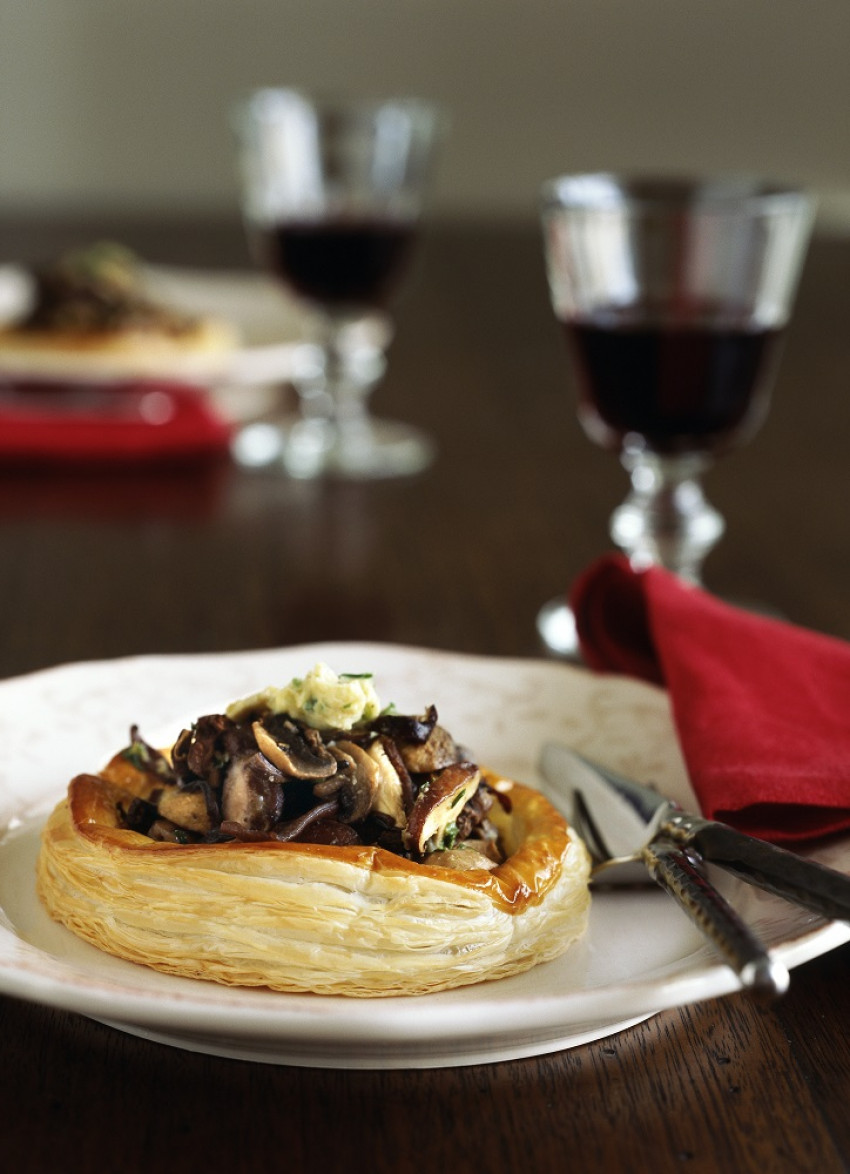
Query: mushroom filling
399, 783
98, 288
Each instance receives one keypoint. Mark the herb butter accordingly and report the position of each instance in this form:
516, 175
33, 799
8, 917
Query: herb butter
320, 699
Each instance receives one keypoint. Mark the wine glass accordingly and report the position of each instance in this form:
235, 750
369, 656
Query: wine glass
332, 192
673, 295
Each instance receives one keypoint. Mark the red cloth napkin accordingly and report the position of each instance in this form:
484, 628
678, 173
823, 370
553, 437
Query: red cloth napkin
761, 707
107, 423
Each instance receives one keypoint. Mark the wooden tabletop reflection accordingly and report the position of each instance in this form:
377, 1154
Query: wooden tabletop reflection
103, 564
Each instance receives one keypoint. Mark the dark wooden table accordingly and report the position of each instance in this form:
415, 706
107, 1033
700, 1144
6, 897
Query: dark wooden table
102, 565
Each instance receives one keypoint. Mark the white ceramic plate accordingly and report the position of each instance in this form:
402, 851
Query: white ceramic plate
640, 955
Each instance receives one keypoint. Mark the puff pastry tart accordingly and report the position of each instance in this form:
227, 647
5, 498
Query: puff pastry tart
92, 316
303, 840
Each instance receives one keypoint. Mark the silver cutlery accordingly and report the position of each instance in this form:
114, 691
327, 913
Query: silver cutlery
633, 833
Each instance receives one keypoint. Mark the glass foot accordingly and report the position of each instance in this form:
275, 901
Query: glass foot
557, 629
369, 450
257, 445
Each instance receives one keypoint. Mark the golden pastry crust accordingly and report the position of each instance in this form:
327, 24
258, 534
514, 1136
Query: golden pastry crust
336, 920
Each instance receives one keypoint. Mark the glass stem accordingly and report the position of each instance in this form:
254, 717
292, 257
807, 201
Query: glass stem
329, 390
334, 377
666, 519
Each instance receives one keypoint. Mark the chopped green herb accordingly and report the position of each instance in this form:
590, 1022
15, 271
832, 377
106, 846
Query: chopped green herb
140, 755
457, 798
356, 676
137, 753
450, 835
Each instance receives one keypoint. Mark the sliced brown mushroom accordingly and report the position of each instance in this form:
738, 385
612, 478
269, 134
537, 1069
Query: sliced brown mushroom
192, 807
474, 815
355, 783
389, 795
330, 831
463, 856
295, 751
180, 752
252, 794
139, 814
438, 805
167, 832
437, 752
408, 794
295, 829
238, 831
405, 728
201, 752
290, 829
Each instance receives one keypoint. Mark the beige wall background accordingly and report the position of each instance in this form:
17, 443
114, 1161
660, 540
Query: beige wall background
123, 104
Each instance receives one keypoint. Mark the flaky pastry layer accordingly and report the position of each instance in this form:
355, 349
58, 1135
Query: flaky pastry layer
356, 921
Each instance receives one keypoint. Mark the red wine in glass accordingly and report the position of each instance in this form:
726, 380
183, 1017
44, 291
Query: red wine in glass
690, 387
340, 262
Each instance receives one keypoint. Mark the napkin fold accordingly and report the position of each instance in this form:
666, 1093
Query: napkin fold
761, 707
107, 423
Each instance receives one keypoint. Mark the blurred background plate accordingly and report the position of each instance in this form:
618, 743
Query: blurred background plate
243, 381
